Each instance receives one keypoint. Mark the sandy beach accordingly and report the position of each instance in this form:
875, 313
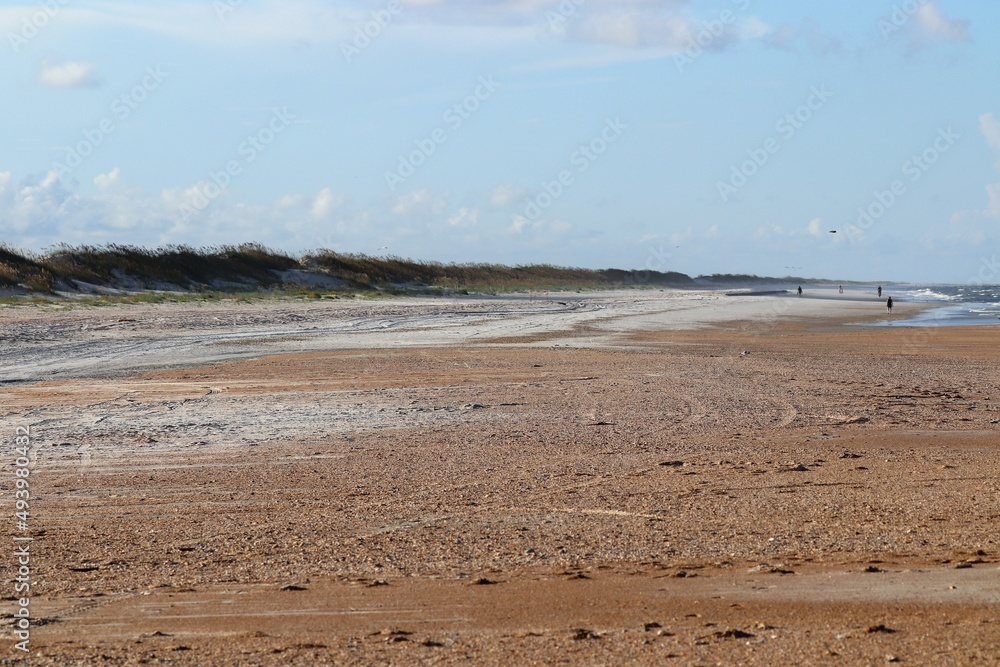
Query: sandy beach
637, 477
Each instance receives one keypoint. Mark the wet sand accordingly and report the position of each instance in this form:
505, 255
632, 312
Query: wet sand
678, 479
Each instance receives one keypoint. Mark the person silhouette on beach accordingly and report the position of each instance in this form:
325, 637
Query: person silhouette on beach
841, 289
800, 290
888, 305
880, 291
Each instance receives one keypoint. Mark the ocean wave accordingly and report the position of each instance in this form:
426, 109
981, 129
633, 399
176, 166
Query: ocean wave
927, 294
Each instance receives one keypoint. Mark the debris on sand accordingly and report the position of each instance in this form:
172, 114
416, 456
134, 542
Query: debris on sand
732, 633
293, 587
482, 581
879, 628
771, 569
855, 420
583, 633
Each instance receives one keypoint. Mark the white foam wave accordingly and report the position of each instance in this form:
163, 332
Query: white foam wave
926, 294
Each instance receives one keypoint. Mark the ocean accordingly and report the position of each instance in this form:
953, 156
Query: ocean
959, 304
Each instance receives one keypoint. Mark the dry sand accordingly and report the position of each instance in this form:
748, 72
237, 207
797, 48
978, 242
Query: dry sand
575, 478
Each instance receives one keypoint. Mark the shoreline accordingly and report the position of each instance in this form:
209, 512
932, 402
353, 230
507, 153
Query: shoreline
113, 341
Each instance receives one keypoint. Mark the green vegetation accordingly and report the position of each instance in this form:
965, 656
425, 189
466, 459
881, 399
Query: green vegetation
17, 269
743, 279
366, 271
178, 266
175, 273
114, 274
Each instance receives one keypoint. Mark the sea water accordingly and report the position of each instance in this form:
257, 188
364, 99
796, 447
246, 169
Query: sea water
959, 304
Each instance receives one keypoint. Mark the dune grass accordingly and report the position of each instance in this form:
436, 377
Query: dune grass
17, 268
160, 274
364, 270
181, 267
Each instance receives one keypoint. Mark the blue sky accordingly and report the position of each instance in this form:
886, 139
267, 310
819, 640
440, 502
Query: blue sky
703, 137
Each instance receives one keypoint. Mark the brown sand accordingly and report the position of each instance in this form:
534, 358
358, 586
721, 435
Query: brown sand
831, 497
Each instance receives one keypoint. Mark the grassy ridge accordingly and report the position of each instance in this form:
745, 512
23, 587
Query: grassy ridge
17, 269
179, 266
251, 267
377, 271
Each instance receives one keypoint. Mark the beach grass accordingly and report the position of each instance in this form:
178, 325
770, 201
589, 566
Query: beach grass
124, 273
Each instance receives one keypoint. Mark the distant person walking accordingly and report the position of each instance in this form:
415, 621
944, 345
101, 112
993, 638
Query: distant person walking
841, 289
880, 291
800, 290
888, 305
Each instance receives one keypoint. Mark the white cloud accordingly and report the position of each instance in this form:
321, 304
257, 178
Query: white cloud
990, 127
628, 24
419, 201
505, 195
814, 227
769, 229
788, 37
105, 181
325, 203
40, 212
660, 26
215, 23
971, 221
288, 201
993, 192
633, 30
70, 75
466, 217
519, 223
935, 25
